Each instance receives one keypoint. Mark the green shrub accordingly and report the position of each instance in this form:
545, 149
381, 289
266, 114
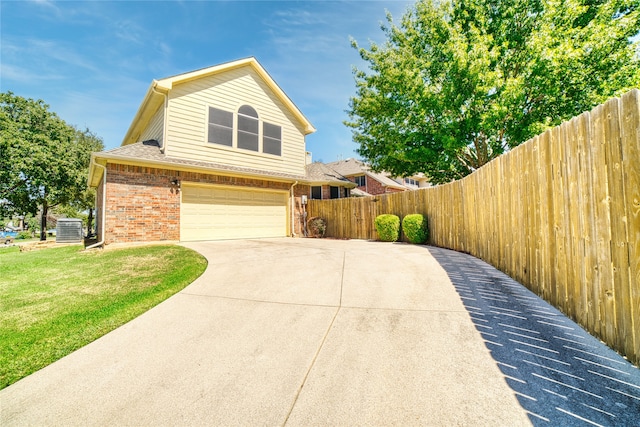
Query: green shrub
24, 235
388, 227
316, 226
415, 228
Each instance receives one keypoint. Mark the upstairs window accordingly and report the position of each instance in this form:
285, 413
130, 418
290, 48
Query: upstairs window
220, 127
271, 139
361, 181
244, 130
248, 128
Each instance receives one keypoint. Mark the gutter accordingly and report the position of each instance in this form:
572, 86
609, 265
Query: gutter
293, 225
104, 204
164, 113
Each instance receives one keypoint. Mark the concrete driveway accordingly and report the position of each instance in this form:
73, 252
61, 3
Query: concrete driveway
304, 332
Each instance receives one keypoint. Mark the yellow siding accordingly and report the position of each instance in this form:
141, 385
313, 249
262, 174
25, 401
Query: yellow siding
155, 127
188, 113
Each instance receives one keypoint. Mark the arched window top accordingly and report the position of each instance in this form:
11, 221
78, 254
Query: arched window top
248, 111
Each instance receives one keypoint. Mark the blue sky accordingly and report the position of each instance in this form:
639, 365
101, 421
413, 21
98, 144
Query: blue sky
92, 62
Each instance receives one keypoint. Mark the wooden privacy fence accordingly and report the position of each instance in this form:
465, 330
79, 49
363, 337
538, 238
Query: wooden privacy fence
559, 213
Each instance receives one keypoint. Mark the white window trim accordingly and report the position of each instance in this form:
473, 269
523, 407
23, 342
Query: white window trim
234, 138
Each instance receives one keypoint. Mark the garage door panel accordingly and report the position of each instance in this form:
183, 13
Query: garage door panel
210, 213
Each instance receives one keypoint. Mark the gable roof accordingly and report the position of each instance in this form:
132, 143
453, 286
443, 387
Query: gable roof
351, 167
159, 89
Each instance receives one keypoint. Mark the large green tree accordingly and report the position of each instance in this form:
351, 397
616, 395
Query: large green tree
43, 160
459, 82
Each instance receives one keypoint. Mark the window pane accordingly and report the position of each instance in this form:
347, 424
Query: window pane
272, 131
248, 124
220, 117
271, 140
335, 192
271, 146
220, 135
316, 193
248, 111
220, 127
248, 141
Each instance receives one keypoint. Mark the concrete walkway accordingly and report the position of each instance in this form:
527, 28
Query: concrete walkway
303, 332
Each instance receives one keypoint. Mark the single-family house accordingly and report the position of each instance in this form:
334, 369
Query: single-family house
216, 153
368, 182
414, 182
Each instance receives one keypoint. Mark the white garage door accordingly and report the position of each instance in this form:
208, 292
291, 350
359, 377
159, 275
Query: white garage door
216, 212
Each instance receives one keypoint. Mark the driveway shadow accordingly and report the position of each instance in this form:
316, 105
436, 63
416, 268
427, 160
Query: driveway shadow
561, 375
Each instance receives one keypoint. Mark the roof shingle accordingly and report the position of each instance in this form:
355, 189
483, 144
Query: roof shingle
151, 151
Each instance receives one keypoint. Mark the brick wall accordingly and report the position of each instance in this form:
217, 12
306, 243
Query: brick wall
373, 187
143, 205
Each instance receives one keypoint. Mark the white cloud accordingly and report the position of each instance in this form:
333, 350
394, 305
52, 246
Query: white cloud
130, 31
11, 73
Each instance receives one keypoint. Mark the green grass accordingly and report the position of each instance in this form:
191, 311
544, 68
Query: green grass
54, 301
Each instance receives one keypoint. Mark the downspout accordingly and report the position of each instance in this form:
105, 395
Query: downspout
104, 204
293, 205
164, 114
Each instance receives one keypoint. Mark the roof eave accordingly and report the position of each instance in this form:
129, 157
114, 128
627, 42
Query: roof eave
150, 103
347, 184
185, 167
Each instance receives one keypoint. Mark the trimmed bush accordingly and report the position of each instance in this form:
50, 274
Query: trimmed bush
388, 227
316, 227
415, 228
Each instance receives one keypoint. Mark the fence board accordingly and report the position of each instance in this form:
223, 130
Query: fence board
630, 142
586, 254
560, 213
619, 238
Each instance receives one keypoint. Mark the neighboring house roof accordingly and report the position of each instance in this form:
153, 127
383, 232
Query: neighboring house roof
158, 90
319, 173
359, 193
353, 167
349, 167
150, 153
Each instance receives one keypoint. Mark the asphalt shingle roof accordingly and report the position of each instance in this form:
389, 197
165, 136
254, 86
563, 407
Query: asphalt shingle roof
351, 167
322, 173
151, 151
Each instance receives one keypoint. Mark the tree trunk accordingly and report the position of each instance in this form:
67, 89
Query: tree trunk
89, 221
43, 221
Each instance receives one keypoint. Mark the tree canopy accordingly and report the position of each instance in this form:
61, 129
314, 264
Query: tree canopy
459, 82
43, 160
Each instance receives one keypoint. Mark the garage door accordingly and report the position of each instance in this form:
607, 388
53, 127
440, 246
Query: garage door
216, 212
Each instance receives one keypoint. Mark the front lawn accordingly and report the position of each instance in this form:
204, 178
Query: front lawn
54, 301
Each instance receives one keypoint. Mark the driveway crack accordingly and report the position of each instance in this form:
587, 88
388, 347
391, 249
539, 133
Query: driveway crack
324, 339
